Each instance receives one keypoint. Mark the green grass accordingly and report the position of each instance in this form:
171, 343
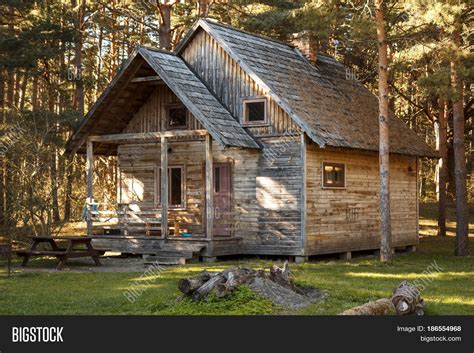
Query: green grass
349, 283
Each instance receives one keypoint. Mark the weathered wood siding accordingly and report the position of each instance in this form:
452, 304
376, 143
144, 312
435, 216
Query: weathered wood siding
348, 219
266, 191
139, 164
151, 117
267, 196
231, 84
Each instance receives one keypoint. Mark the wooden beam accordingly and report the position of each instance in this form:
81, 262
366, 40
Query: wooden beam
164, 187
146, 79
89, 191
209, 189
304, 146
146, 137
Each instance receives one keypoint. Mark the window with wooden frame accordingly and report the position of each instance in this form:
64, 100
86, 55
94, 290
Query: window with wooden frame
176, 186
334, 175
255, 111
176, 117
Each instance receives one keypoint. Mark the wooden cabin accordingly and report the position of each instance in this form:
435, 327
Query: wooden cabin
238, 144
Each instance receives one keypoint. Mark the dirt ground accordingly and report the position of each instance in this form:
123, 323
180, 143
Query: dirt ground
109, 264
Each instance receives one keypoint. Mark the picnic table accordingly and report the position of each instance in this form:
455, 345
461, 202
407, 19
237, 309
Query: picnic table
70, 251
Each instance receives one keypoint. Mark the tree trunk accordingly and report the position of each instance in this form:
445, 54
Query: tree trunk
54, 186
462, 211
386, 236
165, 25
441, 167
23, 91
203, 8
8, 120
34, 93
79, 87
69, 181
2, 157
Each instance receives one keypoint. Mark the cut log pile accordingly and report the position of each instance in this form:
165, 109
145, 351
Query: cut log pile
406, 299
278, 285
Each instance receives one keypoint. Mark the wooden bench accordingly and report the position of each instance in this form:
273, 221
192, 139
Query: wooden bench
71, 251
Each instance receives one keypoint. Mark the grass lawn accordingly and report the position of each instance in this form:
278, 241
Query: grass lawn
349, 283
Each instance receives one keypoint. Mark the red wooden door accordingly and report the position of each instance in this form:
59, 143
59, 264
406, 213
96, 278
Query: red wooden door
222, 199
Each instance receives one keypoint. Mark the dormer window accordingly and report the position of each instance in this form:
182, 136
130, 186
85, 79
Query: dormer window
177, 117
255, 112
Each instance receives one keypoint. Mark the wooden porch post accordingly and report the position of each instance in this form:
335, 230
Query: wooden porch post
89, 191
164, 187
209, 189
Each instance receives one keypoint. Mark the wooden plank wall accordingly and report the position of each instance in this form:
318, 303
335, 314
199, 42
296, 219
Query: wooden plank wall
267, 196
151, 117
348, 219
266, 190
231, 84
141, 163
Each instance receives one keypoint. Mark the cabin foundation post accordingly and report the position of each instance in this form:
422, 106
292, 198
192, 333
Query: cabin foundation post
89, 190
209, 189
164, 187
300, 259
411, 248
345, 255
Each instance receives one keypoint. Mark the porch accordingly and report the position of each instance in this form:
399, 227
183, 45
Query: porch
148, 225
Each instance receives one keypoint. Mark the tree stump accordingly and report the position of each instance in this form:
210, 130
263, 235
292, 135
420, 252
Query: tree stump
277, 287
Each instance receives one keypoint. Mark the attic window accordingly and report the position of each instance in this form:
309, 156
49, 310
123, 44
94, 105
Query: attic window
177, 117
334, 175
255, 111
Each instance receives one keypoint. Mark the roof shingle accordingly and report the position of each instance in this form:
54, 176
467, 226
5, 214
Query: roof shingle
333, 110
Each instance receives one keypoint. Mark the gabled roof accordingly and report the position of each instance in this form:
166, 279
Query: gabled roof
192, 92
331, 109
198, 99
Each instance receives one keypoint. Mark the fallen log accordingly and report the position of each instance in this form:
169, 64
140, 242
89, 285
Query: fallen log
226, 288
277, 287
203, 291
234, 279
406, 299
378, 307
189, 285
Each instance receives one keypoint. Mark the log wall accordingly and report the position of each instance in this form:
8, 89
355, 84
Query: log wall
339, 220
